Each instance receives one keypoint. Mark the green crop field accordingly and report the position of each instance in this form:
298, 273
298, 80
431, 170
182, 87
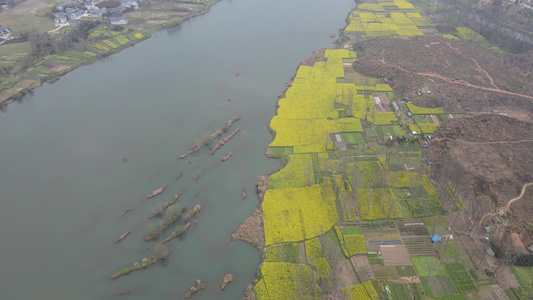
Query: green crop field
460, 278
524, 275
406, 271
285, 252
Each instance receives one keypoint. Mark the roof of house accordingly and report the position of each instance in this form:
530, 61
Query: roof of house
116, 19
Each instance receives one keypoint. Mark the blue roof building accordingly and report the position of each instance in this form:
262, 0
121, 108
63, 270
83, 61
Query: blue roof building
435, 238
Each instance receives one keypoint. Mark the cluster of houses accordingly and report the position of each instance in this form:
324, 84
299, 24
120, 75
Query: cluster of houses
69, 13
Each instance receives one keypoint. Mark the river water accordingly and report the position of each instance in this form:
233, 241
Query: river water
76, 154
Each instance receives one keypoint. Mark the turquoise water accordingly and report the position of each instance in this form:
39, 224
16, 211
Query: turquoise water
64, 183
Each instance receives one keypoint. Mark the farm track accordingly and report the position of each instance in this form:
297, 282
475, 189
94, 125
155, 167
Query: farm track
461, 82
475, 61
505, 209
495, 142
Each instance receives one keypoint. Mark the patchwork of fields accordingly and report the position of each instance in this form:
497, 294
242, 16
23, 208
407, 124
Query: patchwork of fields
353, 212
361, 211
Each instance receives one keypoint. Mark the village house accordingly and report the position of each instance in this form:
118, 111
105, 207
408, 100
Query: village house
122, 20
90, 5
74, 13
61, 18
97, 12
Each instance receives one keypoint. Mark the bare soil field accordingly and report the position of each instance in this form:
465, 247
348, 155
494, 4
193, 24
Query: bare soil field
461, 76
490, 156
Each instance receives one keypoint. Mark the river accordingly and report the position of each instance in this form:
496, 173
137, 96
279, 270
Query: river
74, 155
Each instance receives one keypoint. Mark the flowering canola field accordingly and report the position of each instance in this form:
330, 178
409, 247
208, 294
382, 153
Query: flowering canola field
322, 187
403, 19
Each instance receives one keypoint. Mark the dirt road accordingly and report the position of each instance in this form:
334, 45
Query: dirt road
461, 82
505, 209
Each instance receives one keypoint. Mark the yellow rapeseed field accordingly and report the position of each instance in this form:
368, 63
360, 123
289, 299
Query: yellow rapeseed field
295, 214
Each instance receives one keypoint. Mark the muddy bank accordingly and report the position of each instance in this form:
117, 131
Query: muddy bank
251, 231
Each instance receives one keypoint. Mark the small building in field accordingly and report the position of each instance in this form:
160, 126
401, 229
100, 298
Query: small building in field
490, 252
486, 229
4, 30
435, 238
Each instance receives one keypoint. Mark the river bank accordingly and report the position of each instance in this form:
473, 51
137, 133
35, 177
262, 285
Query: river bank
103, 42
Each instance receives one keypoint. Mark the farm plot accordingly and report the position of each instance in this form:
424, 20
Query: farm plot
287, 281
379, 203
362, 267
395, 255
383, 118
315, 258
297, 173
418, 110
425, 128
351, 242
412, 228
460, 278
399, 291
406, 271
385, 272
285, 252
366, 174
373, 226
392, 130
419, 246
429, 266
296, 214
348, 205
352, 138
279, 151
524, 275
360, 292
441, 286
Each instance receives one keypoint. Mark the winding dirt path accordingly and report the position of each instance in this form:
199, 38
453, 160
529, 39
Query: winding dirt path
475, 61
461, 82
505, 209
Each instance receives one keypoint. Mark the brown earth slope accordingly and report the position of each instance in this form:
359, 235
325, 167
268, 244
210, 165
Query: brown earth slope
489, 156
486, 80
